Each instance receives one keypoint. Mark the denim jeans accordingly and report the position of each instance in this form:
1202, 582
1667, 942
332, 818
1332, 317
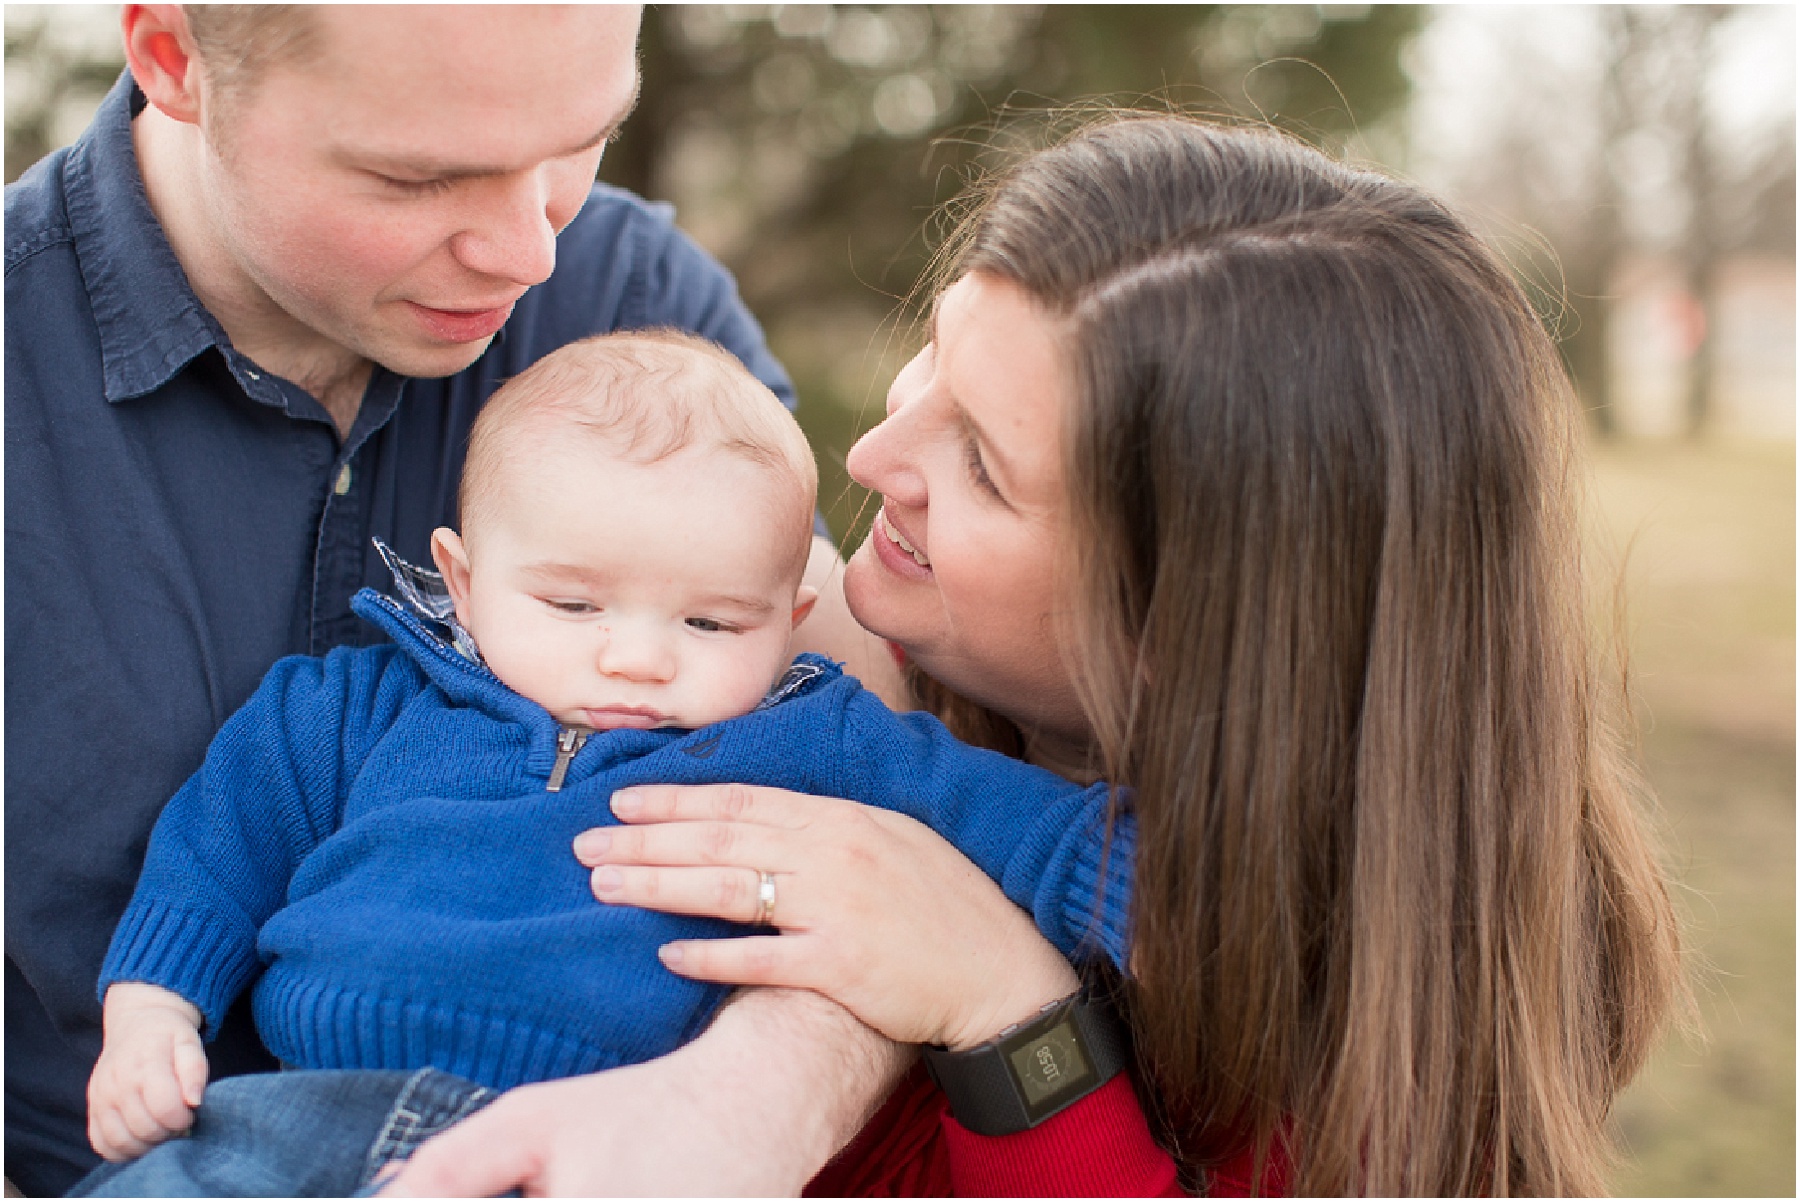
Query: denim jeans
294, 1134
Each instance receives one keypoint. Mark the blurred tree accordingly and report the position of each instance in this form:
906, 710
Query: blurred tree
1593, 248
1609, 139
809, 146
59, 63
1703, 242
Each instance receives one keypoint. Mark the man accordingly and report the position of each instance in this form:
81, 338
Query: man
250, 317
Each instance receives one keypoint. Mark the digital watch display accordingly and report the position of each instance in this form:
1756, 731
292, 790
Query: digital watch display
1033, 1070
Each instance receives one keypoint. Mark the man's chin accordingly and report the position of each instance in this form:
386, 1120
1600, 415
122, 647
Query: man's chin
431, 362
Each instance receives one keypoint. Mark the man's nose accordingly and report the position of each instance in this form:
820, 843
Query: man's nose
512, 235
629, 652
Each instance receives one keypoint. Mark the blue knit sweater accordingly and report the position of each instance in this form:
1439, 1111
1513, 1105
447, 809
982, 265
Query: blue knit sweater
372, 833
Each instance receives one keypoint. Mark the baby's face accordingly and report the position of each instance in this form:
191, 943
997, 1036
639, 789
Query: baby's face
617, 594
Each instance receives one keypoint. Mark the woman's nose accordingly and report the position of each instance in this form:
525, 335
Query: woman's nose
886, 458
883, 460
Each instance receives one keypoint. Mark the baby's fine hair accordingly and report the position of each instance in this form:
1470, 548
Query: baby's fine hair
646, 394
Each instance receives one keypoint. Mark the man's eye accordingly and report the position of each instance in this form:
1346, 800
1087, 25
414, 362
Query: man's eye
416, 187
571, 607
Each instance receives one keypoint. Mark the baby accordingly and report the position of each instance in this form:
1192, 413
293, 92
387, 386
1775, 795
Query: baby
380, 839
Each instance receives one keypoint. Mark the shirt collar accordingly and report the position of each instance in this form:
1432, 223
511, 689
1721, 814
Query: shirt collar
151, 324
428, 597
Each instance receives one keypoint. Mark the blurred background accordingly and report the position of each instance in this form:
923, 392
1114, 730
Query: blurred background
1636, 167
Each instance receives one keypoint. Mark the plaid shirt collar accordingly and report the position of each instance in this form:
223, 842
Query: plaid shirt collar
426, 594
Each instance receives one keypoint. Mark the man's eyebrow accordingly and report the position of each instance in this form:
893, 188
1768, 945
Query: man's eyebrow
447, 169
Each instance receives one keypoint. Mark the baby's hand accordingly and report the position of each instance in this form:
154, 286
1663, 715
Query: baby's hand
151, 1073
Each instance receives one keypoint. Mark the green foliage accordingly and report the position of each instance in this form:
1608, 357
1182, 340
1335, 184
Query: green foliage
810, 147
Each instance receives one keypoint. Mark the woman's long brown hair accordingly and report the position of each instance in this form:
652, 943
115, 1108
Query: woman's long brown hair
1395, 909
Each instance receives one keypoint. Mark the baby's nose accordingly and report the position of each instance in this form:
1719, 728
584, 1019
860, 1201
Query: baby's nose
636, 655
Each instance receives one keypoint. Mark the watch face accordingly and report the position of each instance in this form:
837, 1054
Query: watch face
1049, 1067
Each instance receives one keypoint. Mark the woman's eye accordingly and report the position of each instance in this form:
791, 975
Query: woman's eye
978, 470
571, 607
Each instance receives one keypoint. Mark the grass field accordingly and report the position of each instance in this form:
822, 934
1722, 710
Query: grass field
1710, 595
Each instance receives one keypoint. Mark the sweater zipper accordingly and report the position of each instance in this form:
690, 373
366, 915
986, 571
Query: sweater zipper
568, 741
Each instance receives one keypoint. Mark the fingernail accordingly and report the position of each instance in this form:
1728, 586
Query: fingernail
670, 955
608, 879
627, 802
591, 845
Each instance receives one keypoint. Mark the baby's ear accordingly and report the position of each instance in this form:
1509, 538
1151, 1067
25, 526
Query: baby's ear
804, 599
452, 559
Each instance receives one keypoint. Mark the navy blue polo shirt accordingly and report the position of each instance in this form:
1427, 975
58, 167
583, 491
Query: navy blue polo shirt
176, 520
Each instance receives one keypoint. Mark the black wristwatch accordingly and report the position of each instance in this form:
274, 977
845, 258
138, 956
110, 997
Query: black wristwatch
1033, 1069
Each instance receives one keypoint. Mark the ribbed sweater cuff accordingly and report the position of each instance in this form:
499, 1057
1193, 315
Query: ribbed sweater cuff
1099, 1147
1097, 916
204, 957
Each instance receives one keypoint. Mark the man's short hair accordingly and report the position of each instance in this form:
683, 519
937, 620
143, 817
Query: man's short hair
647, 394
237, 42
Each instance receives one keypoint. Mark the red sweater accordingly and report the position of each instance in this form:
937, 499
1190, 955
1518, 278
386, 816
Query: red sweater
1099, 1147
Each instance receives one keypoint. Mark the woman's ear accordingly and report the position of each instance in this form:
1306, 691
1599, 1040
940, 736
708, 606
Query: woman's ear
805, 597
163, 58
452, 559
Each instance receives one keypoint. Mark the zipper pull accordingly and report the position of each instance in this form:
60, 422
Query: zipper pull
568, 741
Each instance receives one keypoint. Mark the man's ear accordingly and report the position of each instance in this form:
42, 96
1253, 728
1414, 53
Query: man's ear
452, 560
804, 599
163, 58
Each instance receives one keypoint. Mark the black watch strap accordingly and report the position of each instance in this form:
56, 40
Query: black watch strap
1034, 1069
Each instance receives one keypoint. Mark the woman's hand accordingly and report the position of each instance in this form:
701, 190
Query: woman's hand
875, 910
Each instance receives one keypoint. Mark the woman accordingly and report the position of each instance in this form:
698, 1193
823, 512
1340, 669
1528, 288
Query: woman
1245, 480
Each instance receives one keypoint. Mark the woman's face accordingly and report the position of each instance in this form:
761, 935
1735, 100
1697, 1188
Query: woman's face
961, 568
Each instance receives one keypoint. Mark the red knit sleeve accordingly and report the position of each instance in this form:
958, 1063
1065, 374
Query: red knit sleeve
1099, 1147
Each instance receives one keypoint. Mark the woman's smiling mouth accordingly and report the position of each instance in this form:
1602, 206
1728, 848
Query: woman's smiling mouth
899, 540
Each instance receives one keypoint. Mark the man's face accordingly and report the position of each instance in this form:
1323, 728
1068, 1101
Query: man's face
396, 192
621, 594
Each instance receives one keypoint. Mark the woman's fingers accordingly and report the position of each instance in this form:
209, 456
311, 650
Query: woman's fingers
729, 893
782, 960
743, 845
723, 803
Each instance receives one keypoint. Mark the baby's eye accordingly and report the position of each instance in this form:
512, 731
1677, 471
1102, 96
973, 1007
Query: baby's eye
710, 625
571, 607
